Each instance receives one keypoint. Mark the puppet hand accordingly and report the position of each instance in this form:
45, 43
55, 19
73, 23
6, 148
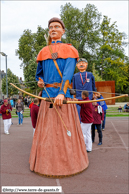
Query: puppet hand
40, 83
75, 99
59, 100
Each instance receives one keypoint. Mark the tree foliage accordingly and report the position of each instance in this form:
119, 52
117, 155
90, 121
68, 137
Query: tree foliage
82, 29
29, 74
96, 74
27, 90
30, 44
111, 61
100, 42
11, 78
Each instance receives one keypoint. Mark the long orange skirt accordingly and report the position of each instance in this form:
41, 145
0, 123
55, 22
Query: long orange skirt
53, 152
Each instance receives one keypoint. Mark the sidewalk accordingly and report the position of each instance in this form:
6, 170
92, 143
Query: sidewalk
108, 164
117, 104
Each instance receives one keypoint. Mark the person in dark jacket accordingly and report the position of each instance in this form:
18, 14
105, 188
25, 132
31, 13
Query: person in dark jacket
14, 100
34, 113
98, 115
86, 116
20, 111
25, 100
120, 109
6, 116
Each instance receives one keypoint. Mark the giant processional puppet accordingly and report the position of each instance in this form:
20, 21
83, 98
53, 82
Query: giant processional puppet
83, 80
58, 147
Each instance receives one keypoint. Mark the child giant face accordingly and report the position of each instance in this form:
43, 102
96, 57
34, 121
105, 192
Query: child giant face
82, 66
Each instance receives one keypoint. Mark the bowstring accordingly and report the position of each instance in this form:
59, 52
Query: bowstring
56, 110
74, 89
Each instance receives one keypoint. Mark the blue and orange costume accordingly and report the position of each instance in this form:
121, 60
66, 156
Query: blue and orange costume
67, 58
86, 83
53, 152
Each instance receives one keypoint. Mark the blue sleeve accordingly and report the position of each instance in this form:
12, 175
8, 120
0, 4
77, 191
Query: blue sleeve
125, 106
93, 83
67, 74
39, 72
101, 102
74, 82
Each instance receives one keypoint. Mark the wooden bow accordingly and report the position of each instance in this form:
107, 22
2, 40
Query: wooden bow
68, 102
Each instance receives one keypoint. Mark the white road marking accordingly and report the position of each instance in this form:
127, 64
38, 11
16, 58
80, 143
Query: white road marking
58, 184
120, 137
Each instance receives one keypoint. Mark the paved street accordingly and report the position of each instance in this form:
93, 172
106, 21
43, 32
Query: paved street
106, 174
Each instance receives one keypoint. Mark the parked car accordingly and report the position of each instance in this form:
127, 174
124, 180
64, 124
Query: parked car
1, 102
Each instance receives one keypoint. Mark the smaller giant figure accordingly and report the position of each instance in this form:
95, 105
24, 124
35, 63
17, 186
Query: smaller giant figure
83, 80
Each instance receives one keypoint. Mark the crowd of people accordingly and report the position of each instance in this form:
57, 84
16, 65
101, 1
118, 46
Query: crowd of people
92, 115
96, 121
87, 115
9, 105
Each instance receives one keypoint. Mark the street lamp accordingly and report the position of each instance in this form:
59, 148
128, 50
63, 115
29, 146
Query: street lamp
3, 54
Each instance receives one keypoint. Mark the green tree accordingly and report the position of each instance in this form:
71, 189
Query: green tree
11, 78
39, 40
30, 44
126, 88
82, 29
96, 74
25, 45
111, 59
29, 74
82, 32
27, 90
100, 43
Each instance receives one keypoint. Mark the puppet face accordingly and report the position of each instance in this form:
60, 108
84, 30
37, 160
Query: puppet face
56, 31
82, 66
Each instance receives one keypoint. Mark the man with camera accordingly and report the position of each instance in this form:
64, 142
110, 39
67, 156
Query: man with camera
6, 116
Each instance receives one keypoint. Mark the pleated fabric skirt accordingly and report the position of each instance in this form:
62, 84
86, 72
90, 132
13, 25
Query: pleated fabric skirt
53, 152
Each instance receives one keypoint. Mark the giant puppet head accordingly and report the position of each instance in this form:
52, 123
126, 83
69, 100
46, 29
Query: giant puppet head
82, 64
56, 29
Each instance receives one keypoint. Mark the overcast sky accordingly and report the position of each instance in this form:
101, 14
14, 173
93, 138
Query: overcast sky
17, 16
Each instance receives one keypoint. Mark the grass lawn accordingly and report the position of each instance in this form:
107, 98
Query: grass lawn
25, 114
111, 112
